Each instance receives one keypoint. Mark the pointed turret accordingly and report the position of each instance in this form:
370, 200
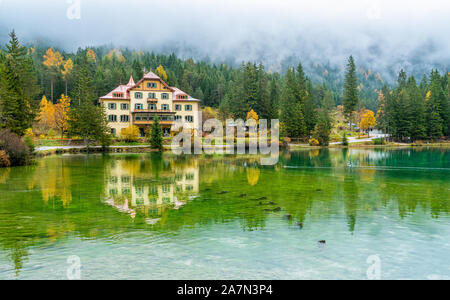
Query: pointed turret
131, 82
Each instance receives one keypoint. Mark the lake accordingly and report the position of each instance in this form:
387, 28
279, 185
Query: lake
152, 216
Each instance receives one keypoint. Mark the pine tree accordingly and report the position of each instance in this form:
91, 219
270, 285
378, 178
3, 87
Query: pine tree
309, 109
351, 96
264, 107
291, 110
250, 87
403, 119
328, 101
323, 127
417, 105
138, 71
17, 88
274, 98
85, 119
434, 107
156, 138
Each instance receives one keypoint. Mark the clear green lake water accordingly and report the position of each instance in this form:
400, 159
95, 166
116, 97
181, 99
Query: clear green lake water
147, 216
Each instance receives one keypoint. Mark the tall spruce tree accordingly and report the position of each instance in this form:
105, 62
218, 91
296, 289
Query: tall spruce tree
264, 107
156, 137
323, 127
291, 109
403, 120
18, 88
87, 120
274, 98
434, 107
417, 105
351, 95
251, 87
309, 109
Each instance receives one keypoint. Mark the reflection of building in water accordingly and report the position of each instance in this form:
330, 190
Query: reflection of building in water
132, 187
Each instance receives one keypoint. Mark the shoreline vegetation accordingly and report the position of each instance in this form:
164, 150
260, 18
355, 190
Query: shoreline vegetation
147, 148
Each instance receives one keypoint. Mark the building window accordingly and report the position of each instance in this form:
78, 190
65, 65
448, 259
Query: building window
124, 106
138, 106
165, 107
152, 106
118, 95
151, 85
188, 107
164, 96
113, 131
112, 118
178, 107
124, 118
166, 189
177, 118
138, 95
151, 95
189, 119
112, 106
183, 97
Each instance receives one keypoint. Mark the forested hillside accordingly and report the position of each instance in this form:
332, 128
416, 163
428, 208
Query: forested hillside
302, 100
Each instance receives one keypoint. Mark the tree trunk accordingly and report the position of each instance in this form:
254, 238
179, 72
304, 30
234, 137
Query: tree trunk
66, 87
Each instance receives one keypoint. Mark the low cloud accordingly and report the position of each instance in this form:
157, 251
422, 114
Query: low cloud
382, 35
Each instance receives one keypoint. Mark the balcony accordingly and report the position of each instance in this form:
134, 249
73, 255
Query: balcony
146, 117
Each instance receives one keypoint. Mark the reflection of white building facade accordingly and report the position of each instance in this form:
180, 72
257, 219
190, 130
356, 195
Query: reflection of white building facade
137, 192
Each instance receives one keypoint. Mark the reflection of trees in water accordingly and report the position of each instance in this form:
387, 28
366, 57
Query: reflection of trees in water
61, 195
351, 200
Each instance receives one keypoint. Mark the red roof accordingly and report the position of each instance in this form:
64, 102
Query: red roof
178, 92
123, 89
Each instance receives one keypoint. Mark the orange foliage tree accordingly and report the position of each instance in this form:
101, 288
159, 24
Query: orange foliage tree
53, 61
61, 114
161, 72
46, 115
368, 121
66, 70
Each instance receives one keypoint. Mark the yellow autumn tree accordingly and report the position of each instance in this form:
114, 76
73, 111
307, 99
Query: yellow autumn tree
368, 121
428, 95
117, 54
91, 56
53, 61
62, 114
161, 72
130, 134
46, 115
252, 115
67, 67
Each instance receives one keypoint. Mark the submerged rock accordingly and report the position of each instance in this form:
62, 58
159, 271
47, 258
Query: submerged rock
300, 224
288, 216
261, 198
271, 203
222, 192
322, 242
243, 195
277, 209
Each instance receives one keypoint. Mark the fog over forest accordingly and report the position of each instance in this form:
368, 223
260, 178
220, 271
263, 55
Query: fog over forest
383, 37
